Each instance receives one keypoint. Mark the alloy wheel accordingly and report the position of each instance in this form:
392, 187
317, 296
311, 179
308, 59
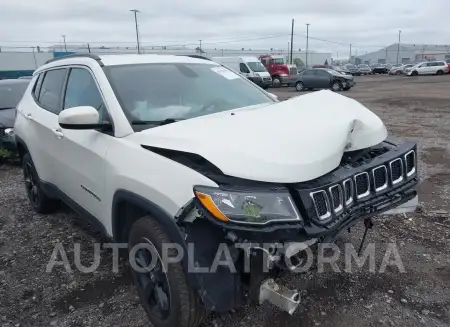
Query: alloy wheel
152, 281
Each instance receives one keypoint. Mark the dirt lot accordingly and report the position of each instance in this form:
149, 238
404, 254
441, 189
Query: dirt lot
413, 108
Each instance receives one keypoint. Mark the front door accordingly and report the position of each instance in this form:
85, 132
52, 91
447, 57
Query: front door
82, 152
323, 79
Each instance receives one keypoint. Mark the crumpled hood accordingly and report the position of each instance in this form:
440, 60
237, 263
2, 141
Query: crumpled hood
291, 141
7, 118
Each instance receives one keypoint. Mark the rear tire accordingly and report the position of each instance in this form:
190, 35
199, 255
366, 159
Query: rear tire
183, 306
39, 200
299, 87
440, 72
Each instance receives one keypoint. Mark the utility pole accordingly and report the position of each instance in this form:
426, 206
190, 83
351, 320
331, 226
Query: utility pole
200, 47
423, 50
398, 45
137, 32
350, 56
65, 46
292, 40
307, 41
89, 48
288, 52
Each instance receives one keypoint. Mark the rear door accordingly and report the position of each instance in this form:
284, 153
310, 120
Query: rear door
308, 78
41, 110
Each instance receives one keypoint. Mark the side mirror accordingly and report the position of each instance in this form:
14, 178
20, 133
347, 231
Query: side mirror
84, 117
273, 96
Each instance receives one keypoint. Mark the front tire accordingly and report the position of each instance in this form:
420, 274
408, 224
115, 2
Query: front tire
167, 298
336, 86
414, 73
40, 202
276, 81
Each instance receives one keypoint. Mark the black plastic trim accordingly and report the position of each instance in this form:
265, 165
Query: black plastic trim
54, 192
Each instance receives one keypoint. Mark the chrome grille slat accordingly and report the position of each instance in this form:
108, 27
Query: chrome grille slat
337, 198
321, 204
362, 185
380, 178
410, 163
396, 168
348, 192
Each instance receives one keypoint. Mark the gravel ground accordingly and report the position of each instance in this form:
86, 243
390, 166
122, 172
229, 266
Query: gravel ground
413, 108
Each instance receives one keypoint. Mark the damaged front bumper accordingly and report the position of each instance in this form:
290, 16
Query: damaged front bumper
328, 205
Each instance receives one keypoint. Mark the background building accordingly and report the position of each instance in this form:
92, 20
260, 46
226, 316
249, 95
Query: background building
406, 53
18, 63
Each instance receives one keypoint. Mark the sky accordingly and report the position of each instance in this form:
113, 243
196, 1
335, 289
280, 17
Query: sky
227, 24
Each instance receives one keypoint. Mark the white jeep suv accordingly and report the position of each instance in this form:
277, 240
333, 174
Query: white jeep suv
179, 150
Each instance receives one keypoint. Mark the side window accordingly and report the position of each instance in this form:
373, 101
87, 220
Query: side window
243, 68
51, 89
308, 72
264, 62
82, 91
37, 86
321, 73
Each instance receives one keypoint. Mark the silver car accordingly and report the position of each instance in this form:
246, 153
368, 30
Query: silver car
365, 69
400, 70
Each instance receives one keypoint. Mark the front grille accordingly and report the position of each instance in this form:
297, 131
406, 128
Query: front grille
336, 197
380, 178
396, 171
410, 163
293, 71
267, 79
362, 185
321, 204
333, 199
348, 191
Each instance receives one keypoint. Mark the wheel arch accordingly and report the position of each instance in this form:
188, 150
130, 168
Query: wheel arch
22, 148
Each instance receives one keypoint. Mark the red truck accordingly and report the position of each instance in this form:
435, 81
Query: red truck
281, 72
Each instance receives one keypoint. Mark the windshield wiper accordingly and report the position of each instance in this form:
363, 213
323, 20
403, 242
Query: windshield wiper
155, 122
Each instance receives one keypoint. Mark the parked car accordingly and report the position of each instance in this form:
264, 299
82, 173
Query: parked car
429, 68
323, 78
380, 69
448, 63
400, 70
341, 70
365, 69
172, 156
11, 92
353, 70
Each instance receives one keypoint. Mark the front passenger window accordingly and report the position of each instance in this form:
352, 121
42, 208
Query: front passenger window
82, 91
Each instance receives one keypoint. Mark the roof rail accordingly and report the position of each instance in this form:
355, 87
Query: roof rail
196, 56
77, 55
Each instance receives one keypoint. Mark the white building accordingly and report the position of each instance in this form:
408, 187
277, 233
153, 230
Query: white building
405, 53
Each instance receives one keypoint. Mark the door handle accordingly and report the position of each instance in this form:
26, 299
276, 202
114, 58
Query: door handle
29, 116
58, 133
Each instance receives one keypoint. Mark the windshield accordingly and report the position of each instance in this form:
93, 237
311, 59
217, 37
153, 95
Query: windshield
158, 92
11, 94
256, 66
278, 61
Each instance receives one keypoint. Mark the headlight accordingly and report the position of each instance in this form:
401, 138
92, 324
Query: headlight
284, 75
247, 207
9, 132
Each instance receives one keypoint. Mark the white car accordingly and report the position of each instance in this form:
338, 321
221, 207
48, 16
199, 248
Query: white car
429, 68
179, 157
